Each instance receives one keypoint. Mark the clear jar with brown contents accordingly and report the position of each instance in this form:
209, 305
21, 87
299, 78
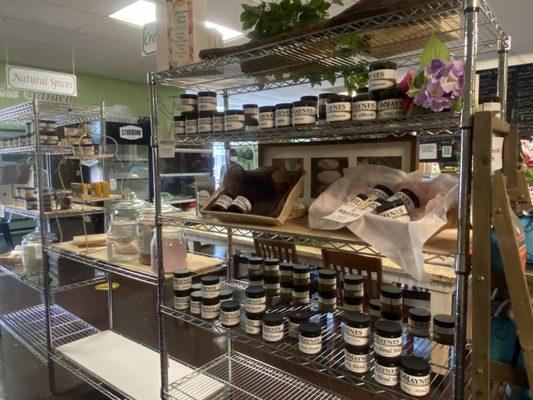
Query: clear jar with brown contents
353, 286
271, 268
300, 295
286, 274
327, 280
285, 292
301, 275
327, 301
255, 268
391, 298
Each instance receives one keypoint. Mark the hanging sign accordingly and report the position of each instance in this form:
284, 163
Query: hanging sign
38, 80
149, 39
130, 132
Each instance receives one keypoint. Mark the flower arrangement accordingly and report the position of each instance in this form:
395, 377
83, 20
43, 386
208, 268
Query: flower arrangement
438, 85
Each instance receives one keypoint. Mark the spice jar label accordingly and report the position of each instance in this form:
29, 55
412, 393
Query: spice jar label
395, 212
414, 385
243, 203
348, 212
358, 363
310, 345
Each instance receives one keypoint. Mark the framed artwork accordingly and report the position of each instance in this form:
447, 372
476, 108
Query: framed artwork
324, 163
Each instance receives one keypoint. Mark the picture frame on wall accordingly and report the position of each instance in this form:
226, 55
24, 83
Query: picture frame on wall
324, 163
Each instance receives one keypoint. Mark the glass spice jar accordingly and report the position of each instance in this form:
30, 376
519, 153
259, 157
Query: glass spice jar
354, 304
267, 117
374, 309
389, 316
310, 338
286, 273
390, 104
181, 299
226, 295
382, 75
388, 339
234, 120
273, 327
301, 275
255, 267
356, 330
327, 301
353, 286
255, 299
188, 103
304, 113
339, 108
300, 295
419, 322
253, 323
357, 358
323, 100
205, 121
283, 115
207, 101
218, 121
327, 280
174, 248
443, 329
196, 302
285, 292
191, 123
230, 313
386, 370
210, 286
272, 286
210, 308
182, 279
121, 243
415, 376
391, 298
296, 318
364, 106
271, 268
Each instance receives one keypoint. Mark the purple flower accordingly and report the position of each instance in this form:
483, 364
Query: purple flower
444, 86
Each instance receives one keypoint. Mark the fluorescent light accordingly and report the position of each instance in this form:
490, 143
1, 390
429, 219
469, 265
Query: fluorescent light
227, 33
140, 13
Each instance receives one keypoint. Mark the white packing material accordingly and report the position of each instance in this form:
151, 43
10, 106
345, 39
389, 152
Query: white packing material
398, 239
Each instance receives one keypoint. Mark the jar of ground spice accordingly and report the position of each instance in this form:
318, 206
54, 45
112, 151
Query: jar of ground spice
353, 286
271, 268
285, 292
300, 295
327, 280
230, 313
255, 299
390, 316
386, 370
267, 117
382, 75
182, 279
357, 358
273, 327
181, 299
327, 301
210, 308
283, 115
210, 286
272, 286
443, 329
310, 338
374, 309
196, 302
391, 298
388, 339
415, 376
255, 267
286, 272
364, 106
354, 304
257, 280
296, 318
301, 275
419, 322
253, 323
225, 295
356, 328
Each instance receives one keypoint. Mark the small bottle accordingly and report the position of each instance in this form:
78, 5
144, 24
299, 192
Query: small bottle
415, 376
356, 328
310, 338
357, 358
196, 302
182, 279
181, 299
255, 299
230, 313
210, 287
419, 322
253, 323
386, 370
388, 339
443, 328
391, 298
327, 280
273, 327
210, 308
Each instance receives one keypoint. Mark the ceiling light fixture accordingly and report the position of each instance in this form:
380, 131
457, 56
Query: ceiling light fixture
140, 13
227, 33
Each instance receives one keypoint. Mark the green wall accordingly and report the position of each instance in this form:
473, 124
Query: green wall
92, 89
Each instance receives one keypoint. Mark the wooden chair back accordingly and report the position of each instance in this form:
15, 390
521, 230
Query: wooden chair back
285, 251
350, 263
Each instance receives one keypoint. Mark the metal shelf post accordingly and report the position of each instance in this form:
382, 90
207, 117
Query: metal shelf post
504, 47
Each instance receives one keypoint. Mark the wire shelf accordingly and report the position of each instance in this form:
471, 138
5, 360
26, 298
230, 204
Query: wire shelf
45, 149
135, 274
245, 378
310, 237
399, 35
76, 211
61, 113
445, 123
330, 360
35, 279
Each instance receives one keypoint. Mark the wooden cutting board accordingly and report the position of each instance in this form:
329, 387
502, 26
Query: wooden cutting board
96, 240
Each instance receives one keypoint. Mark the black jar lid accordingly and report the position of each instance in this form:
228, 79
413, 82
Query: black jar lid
210, 302
205, 114
388, 205
363, 94
249, 106
356, 319
391, 94
210, 280
340, 98
353, 301
255, 292
267, 109
362, 196
375, 304
309, 98
251, 122
300, 288
282, 106
489, 99
272, 279
412, 196
182, 273
226, 294
271, 261
254, 316
391, 316
179, 118
327, 295
298, 317
182, 293
357, 350
300, 268
235, 112
416, 366
188, 96
353, 279
304, 103
196, 286
326, 95
207, 94
419, 314
196, 295
386, 361
286, 266
190, 115
385, 189
273, 318
382, 65
230, 305
388, 329
255, 260
218, 113
444, 320
310, 329
393, 292
362, 90
327, 273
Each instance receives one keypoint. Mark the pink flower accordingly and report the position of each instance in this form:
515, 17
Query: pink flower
406, 82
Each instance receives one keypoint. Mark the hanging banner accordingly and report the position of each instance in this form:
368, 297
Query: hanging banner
149, 39
38, 80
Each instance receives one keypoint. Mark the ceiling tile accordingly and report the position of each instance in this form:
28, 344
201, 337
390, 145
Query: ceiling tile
35, 32
108, 28
90, 44
51, 15
96, 7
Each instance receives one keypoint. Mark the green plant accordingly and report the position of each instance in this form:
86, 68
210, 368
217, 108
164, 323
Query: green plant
272, 18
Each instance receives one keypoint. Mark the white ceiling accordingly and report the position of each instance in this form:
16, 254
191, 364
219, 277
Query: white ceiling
51, 33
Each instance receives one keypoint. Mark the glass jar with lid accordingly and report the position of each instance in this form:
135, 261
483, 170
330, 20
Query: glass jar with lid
129, 208
121, 240
32, 257
174, 248
145, 230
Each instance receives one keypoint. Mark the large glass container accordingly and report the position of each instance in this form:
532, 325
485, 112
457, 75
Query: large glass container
146, 230
122, 240
32, 256
174, 247
129, 208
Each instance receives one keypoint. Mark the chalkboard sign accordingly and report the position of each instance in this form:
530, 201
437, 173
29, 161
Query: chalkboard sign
519, 94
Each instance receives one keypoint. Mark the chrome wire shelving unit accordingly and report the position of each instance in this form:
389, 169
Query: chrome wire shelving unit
469, 28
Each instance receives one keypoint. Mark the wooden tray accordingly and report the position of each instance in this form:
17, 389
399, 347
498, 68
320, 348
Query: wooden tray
294, 194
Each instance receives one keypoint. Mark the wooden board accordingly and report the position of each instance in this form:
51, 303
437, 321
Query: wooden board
129, 367
198, 264
95, 199
96, 240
